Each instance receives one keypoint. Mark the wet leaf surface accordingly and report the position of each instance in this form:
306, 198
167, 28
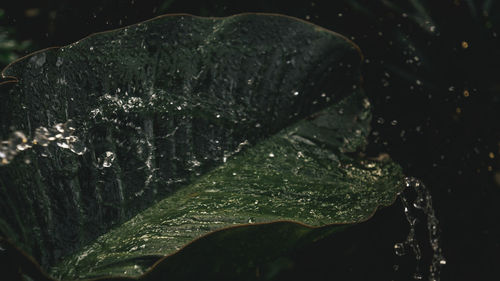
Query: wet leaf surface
250, 120
297, 175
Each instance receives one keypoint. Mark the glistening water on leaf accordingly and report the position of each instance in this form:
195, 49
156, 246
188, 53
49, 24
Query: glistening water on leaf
246, 126
297, 175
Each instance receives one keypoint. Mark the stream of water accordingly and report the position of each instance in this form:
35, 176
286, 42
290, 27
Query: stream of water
417, 203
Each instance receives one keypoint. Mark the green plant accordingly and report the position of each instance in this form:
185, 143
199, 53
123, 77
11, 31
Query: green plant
251, 127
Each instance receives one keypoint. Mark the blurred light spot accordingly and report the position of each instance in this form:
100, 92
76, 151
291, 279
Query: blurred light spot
465, 45
497, 178
29, 13
466, 93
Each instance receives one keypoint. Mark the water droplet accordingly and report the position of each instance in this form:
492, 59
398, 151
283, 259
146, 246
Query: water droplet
366, 103
40, 59
18, 137
63, 145
59, 127
399, 249
78, 148
108, 159
23, 146
59, 61
417, 276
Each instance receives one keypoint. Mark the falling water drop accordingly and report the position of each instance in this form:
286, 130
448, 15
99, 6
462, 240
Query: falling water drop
78, 148
62, 144
108, 159
42, 136
400, 249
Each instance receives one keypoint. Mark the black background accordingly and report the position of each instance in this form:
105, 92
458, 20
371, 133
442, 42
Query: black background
436, 110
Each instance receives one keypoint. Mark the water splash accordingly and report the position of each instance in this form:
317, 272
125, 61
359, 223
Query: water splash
61, 133
422, 202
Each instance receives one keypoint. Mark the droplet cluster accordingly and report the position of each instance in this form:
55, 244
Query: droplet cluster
62, 134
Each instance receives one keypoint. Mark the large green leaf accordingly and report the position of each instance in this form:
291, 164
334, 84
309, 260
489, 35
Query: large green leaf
297, 175
204, 112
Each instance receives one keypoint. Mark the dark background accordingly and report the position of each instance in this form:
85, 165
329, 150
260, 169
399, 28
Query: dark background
432, 72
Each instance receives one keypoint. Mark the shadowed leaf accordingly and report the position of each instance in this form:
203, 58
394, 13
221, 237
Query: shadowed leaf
233, 121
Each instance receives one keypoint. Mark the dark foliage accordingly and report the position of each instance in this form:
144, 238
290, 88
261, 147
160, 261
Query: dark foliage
430, 72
